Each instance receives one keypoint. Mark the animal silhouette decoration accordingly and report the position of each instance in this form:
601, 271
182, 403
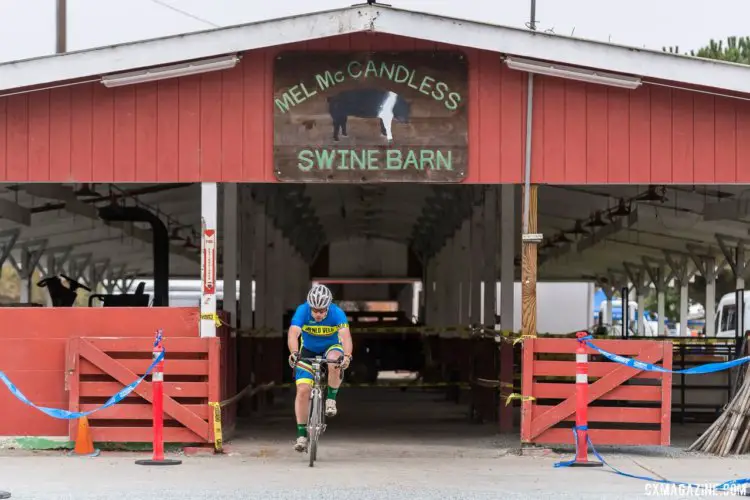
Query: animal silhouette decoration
367, 103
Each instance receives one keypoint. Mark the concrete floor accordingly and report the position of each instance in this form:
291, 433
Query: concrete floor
383, 445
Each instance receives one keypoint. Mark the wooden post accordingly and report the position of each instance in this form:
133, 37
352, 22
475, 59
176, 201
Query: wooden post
529, 269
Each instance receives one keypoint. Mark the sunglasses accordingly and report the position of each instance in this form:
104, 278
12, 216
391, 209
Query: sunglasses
319, 311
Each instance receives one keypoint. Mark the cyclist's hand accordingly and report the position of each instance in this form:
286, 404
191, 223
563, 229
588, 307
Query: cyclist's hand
345, 362
293, 357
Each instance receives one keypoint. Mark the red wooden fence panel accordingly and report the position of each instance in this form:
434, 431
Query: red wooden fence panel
627, 406
99, 367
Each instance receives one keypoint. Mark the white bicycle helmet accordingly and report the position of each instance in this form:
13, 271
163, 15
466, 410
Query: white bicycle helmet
319, 297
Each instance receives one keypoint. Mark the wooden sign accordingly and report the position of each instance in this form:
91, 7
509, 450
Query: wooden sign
370, 117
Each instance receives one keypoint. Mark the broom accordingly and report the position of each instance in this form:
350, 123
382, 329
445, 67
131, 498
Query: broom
730, 433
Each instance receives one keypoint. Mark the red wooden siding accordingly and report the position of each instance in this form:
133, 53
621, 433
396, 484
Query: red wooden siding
590, 134
219, 127
32, 354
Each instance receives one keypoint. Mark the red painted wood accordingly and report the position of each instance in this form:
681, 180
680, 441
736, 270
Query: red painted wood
596, 134
210, 128
596, 369
704, 138
103, 141
3, 138
81, 134
626, 415
682, 137
726, 165
743, 142
540, 420
142, 435
575, 133
39, 138
189, 127
125, 132
639, 132
232, 102
132, 411
602, 436
618, 135
34, 356
527, 382
191, 367
17, 137
552, 139
666, 397
220, 127
543, 390
60, 116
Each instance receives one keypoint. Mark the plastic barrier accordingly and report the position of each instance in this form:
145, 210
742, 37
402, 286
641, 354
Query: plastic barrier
582, 440
157, 383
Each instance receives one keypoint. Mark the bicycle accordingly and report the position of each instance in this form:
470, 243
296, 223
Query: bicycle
316, 425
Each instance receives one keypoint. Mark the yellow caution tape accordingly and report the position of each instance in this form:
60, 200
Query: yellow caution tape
218, 440
214, 317
518, 396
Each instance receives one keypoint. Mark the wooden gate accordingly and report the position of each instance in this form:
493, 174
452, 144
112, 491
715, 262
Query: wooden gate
97, 368
627, 406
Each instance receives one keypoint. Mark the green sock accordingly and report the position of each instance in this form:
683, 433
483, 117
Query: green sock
301, 430
332, 393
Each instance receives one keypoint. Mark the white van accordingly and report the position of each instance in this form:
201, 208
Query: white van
726, 312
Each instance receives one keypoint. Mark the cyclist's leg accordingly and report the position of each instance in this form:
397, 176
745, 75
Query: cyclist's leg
304, 380
334, 352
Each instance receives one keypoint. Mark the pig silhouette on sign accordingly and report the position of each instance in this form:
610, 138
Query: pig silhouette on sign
367, 103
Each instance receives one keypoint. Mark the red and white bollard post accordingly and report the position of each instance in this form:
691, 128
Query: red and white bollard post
157, 386
582, 396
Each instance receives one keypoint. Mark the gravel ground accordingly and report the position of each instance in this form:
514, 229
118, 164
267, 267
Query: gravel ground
380, 447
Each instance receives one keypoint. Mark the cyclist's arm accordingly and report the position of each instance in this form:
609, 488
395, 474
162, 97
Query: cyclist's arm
292, 338
346, 340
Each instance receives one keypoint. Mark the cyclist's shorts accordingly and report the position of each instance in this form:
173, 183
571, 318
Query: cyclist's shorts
303, 374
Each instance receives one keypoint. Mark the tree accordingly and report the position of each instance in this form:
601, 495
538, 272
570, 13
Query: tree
671, 303
737, 50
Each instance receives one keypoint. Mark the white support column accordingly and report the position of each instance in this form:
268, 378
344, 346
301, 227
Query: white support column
490, 251
507, 255
681, 272
637, 276
209, 238
248, 210
710, 305
230, 244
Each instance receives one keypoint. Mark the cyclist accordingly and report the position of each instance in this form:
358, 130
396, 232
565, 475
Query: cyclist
324, 328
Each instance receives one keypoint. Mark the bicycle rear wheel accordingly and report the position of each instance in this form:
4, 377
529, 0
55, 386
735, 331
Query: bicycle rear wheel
313, 428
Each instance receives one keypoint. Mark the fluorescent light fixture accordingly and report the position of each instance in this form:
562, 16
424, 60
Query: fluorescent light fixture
174, 71
571, 73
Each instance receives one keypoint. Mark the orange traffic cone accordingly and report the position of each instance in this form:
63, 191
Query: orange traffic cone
84, 444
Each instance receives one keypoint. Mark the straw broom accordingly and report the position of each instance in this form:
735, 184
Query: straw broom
730, 433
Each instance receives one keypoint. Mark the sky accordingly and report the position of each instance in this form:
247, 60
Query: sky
27, 27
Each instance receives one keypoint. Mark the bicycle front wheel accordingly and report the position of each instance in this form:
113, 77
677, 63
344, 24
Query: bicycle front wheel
313, 428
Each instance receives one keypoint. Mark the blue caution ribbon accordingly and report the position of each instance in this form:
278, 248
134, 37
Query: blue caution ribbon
70, 415
726, 485
641, 365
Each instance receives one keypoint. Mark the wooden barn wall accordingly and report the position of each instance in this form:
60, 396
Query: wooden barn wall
218, 127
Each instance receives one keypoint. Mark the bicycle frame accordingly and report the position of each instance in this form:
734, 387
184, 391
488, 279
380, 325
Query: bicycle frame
316, 425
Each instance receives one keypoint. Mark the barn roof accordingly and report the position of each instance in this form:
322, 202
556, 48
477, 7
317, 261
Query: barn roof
654, 64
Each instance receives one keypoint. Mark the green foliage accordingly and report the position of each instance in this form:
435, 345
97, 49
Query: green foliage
736, 49
671, 303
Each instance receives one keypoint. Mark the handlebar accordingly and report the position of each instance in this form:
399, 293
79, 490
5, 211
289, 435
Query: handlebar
322, 360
